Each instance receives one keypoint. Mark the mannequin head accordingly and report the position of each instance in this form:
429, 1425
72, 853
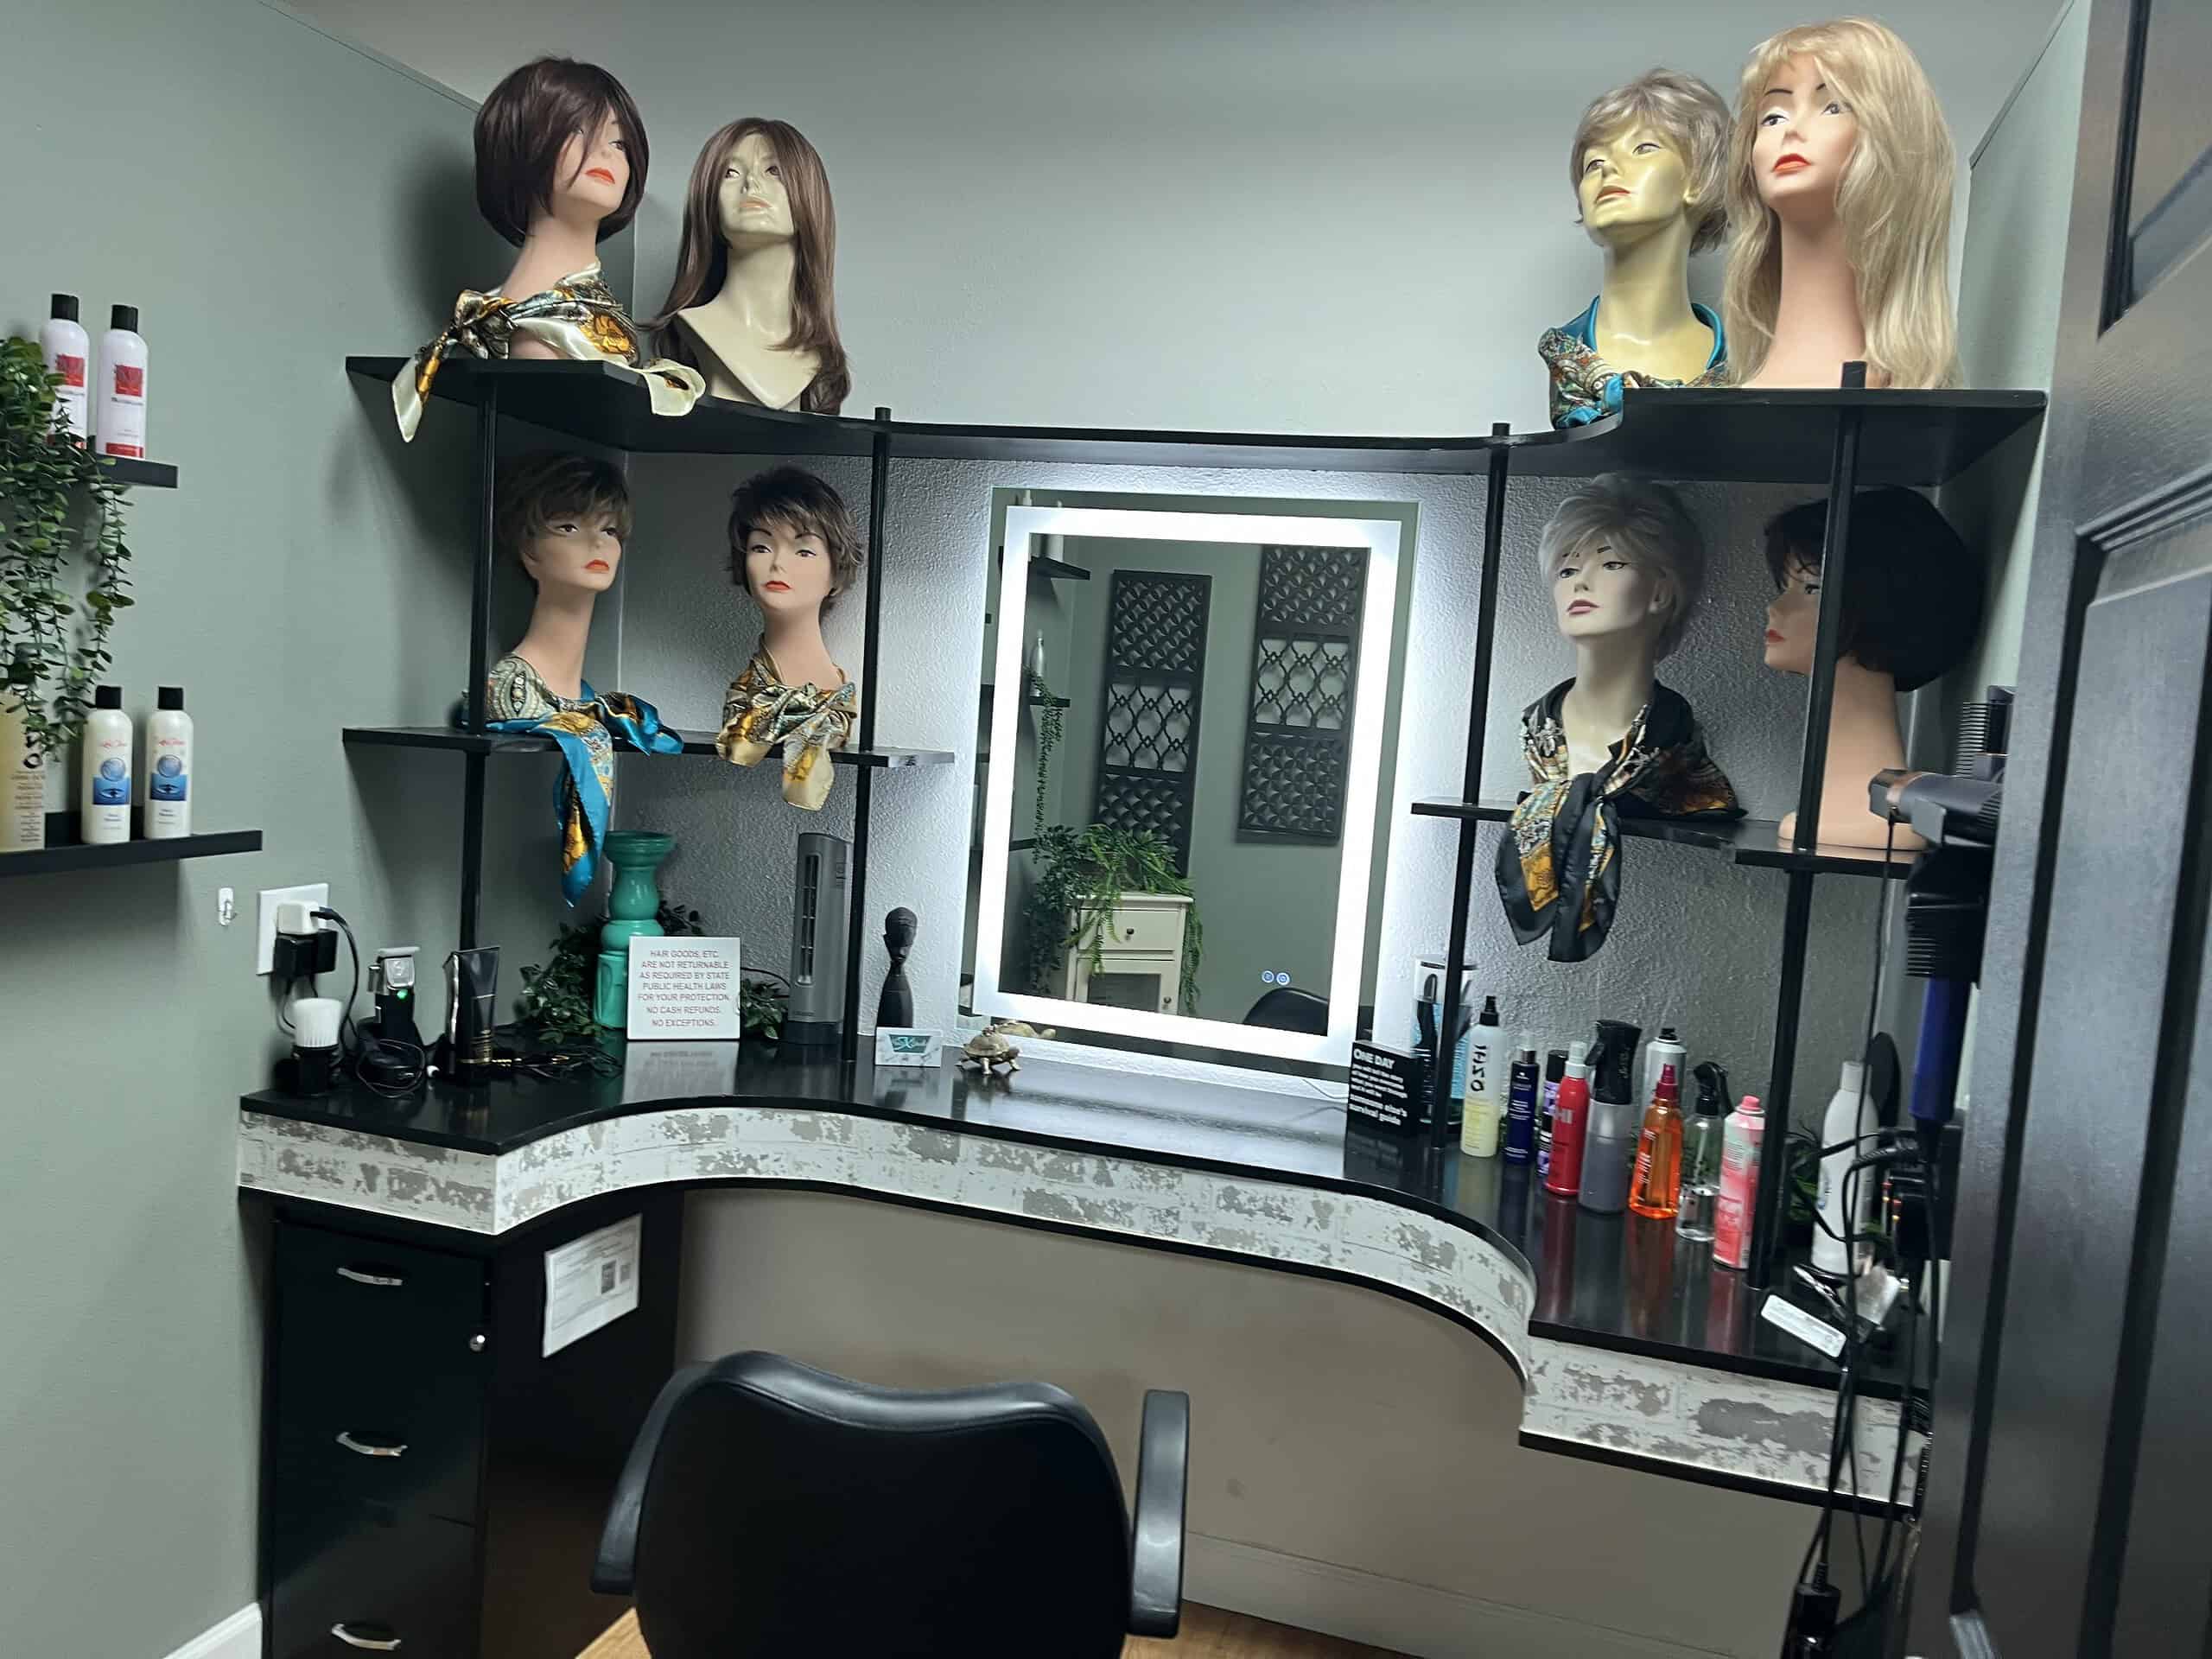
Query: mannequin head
1837, 128
1912, 590
759, 182
559, 139
794, 545
563, 519
1625, 562
1650, 152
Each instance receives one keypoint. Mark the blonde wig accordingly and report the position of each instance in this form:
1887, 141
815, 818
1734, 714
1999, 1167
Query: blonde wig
1685, 109
1894, 202
1642, 522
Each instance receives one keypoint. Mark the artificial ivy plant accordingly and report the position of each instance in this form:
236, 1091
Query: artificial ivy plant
61, 513
556, 998
1050, 723
1082, 874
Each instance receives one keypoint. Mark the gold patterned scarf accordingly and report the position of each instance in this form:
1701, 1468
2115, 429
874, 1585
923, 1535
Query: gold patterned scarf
762, 713
579, 317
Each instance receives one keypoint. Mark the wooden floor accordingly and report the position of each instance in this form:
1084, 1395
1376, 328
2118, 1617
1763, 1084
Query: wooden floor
1208, 1633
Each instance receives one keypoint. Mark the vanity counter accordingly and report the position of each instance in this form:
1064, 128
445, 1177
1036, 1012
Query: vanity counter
1631, 1345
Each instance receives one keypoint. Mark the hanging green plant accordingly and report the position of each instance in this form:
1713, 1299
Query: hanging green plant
1050, 725
1082, 876
59, 506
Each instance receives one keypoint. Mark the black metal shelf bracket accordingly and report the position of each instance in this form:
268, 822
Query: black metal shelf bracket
879, 501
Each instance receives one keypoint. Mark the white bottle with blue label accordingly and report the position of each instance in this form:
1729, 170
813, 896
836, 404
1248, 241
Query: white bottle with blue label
104, 800
168, 767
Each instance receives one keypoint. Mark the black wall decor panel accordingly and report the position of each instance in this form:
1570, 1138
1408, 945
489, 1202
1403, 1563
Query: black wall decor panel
1305, 673
1148, 732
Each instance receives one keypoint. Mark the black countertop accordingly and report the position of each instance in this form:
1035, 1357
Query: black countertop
1620, 1281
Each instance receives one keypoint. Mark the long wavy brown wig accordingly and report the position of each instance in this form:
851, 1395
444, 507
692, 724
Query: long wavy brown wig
703, 262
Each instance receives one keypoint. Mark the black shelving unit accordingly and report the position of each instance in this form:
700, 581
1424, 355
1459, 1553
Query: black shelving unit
454, 741
140, 474
1057, 570
63, 851
1846, 438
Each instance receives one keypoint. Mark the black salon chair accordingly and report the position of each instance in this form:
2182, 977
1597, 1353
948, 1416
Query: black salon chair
770, 1509
1288, 1008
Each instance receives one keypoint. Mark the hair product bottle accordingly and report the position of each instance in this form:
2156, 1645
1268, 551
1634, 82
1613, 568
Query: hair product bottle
1656, 1189
1665, 1049
1739, 1182
122, 387
168, 767
1478, 1122
1527, 1082
68, 350
1702, 1142
1609, 1144
104, 796
1850, 1115
1547, 1106
1570, 1119
22, 777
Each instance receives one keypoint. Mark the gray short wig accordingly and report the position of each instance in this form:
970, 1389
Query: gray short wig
1645, 523
1686, 111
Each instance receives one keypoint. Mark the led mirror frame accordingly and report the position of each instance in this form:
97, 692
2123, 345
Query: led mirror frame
1378, 626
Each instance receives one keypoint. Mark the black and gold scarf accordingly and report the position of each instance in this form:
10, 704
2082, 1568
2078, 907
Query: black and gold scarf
1558, 866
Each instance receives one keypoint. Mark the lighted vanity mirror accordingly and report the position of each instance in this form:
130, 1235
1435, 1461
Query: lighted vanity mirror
1185, 737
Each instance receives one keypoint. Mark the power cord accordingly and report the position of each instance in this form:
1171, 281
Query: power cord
386, 1066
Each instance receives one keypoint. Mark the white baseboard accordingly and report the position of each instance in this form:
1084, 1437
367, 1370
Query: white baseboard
1386, 1612
238, 1636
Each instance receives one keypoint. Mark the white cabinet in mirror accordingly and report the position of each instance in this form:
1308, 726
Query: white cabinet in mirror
1188, 720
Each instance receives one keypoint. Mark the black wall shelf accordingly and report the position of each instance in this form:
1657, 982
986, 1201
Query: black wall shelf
140, 474
1058, 570
1756, 842
455, 742
63, 851
1710, 434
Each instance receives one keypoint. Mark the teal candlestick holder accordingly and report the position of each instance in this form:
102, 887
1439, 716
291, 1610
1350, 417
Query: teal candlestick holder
632, 908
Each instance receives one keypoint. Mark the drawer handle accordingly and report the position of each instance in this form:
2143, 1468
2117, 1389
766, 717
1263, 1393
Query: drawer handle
369, 1448
373, 1643
360, 1276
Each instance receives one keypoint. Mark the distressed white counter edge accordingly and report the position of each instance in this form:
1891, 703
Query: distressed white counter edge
1665, 1415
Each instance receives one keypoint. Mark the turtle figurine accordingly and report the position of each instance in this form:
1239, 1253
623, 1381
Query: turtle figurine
991, 1051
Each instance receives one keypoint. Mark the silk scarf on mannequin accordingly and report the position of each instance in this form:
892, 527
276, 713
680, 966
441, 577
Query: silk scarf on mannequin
579, 317
1559, 868
517, 700
762, 713
1586, 387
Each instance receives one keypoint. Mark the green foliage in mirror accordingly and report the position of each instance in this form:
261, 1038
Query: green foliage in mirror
1082, 876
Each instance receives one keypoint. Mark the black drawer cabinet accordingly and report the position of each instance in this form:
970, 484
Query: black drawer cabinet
429, 1476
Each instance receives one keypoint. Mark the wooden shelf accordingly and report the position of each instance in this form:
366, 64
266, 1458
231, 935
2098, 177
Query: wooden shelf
63, 851
455, 741
1755, 842
1711, 434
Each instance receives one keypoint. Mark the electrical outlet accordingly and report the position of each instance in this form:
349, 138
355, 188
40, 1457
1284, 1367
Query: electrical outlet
264, 944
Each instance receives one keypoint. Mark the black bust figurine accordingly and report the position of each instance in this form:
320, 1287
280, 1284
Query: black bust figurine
895, 1007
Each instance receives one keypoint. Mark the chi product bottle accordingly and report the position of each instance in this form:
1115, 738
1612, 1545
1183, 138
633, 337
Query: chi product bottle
105, 796
1739, 1184
1526, 1082
1563, 1179
1656, 1189
68, 350
1850, 1115
1547, 1107
122, 387
1478, 1125
1702, 1142
168, 767
1609, 1143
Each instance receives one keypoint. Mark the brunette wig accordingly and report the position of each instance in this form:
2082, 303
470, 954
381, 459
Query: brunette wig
704, 261
1912, 588
523, 127
539, 488
796, 501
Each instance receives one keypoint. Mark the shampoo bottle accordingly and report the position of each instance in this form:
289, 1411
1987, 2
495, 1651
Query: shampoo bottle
1850, 1115
1569, 1119
1609, 1144
22, 776
1527, 1082
1739, 1184
68, 350
104, 798
1656, 1189
122, 387
168, 767
1478, 1122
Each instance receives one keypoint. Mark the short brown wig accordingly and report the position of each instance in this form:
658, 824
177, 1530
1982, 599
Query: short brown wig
1912, 588
522, 128
539, 488
794, 499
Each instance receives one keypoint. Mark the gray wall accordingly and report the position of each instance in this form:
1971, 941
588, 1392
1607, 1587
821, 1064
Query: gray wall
271, 200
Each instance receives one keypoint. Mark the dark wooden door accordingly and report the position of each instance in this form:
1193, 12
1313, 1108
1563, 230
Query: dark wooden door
2074, 1420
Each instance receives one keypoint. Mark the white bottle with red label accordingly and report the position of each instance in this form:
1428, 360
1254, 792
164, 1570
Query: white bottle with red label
68, 350
1739, 1184
122, 387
